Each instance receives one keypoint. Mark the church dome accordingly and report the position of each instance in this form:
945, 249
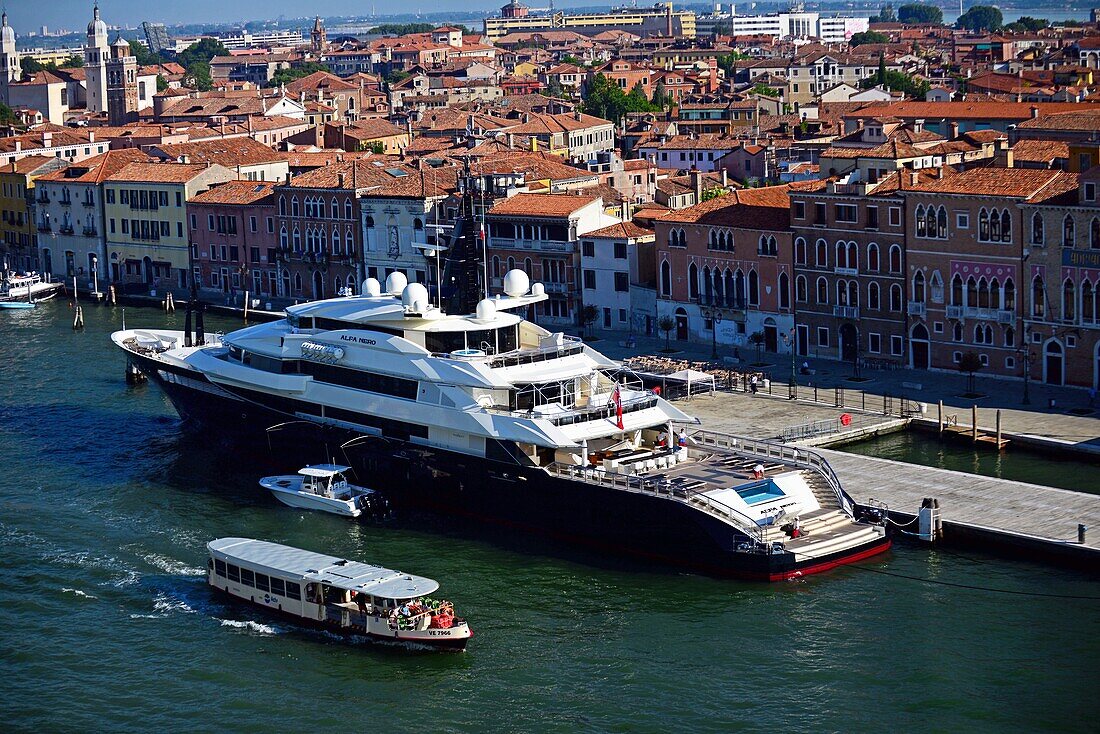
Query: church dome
97, 27
7, 33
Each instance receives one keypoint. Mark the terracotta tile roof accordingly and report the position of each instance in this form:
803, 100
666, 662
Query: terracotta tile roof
371, 129
323, 157
157, 173
1022, 183
893, 150
764, 208
627, 230
29, 164
541, 205
98, 168
963, 110
352, 175
1040, 151
432, 182
228, 152
700, 142
1081, 119
557, 123
320, 80
533, 165
237, 192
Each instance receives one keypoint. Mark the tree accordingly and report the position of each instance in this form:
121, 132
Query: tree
33, 66
765, 90
162, 83
899, 82
1028, 24
858, 39
144, 56
202, 50
728, 62
920, 14
73, 62
970, 363
661, 99
571, 59
757, 338
589, 314
981, 18
396, 75
881, 77
377, 147
198, 76
402, 29
554, 89
666, 324
285, 76
7, 117
714, 192
886, 15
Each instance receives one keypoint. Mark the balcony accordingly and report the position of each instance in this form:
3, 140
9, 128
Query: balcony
66, 229
954, 312
89, 232
846, 271
43, 198
507, 243
555, 287
87, 203
44, 227
846, 312
65, 202
1000, 315
917, 308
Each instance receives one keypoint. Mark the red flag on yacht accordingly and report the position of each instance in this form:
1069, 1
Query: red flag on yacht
617, 398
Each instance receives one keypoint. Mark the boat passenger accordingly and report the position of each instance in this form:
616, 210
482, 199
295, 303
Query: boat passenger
361, 600
662, 440
758, 471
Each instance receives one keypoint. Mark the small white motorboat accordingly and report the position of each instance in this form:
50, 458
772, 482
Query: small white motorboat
12, 305
324, 487
30, 286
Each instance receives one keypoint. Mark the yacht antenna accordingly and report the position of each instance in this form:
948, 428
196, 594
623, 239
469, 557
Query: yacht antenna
484, 236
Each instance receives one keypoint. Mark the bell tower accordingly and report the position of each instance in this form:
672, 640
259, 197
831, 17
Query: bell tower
96, 53
10, 70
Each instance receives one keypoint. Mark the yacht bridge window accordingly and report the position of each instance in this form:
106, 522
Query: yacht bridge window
491, 341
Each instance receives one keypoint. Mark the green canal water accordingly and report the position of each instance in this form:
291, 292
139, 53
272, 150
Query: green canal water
1017, 463
106, 624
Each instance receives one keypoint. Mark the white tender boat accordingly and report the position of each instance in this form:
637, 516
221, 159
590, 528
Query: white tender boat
30, 286
335, 594
323, 487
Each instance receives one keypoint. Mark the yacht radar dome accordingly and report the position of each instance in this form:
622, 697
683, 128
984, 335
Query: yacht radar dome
538, 289
395, 283
413, 294
372, 288
516, 283
486, 309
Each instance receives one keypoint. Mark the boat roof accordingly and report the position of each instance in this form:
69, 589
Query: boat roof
323, 470
332, 570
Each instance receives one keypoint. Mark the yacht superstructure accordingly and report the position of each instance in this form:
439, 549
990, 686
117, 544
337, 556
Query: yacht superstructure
489, 415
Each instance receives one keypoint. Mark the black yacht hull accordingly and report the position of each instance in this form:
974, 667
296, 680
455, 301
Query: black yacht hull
523, 499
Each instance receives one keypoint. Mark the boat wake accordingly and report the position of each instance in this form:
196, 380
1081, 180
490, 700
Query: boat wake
172, 566
164, 605
78, 592
251, 627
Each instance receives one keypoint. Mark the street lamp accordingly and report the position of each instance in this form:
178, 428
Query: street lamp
1027, 375
790, 340
715, 317
95, 279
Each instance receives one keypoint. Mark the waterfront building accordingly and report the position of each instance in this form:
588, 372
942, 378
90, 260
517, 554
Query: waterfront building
145, 205
966, 268
613, 259
849, 260
1061, 311
248, 159
69, 203
724, 269
231, 230
18, 230
401, 214
320, 240
658, 20
539, 234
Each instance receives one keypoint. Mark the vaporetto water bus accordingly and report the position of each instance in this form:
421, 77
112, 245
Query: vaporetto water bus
490, 416
335, 594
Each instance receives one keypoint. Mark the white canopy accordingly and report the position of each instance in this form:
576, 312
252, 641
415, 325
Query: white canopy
692, 377
323, 471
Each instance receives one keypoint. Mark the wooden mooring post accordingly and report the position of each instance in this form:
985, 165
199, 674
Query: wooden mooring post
939, 417
974, 422
999, 445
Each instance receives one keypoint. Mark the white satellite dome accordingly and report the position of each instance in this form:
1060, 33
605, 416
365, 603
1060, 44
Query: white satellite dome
538, 289
412, 294
395, 283
516, 283
372, 288
486, 310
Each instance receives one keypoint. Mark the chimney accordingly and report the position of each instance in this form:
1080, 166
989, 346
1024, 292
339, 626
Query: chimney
577, 115
941, 172
1010, 158
511, 141
91, 136
915, 178
1034, 112
624, 211
340, 179
953, 129
18, 145
47, 140
697, 184
725, 178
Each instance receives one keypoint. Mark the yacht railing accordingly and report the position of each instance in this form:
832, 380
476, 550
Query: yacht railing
571, 345
786, 454
664, 488
569, 416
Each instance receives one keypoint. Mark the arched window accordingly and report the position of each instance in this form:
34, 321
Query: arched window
930, 225
983, 293
1006, 226
800, 251
1068, 234
994, 293
283, 239
511, 265
708, 285
335, 208
739, 289
1009, 295
841, 255
754, 288
1088, 303
872, 257
994, 226
822, 291
1037, 229
418, 225
496, 266
297, 282
370, 221
1094, 233
895, 297
822, 254
322, 241
1010, 337
979, 334
956, 290
983, 225
712, 240
941, 223
971, 292
895, 258
282, 206
666, 279
918, 215
784, 291
957, 332
853, 294
842, 293
918, 286
336, 243
348, 211
800, 294
297, 240
693, 281
1069, 301
853, 256
294, 209
1038, 297
873, 296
